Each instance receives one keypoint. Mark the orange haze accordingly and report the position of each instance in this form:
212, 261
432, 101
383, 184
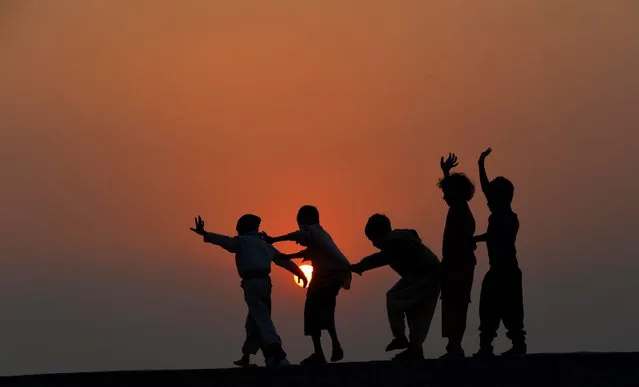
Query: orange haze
121, 120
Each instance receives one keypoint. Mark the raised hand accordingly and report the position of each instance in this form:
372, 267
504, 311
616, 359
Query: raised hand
199, 226
448, 164
485, 154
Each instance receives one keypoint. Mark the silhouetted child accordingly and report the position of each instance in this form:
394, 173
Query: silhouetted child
414, 296
330, 274
501, 292
458, 256
253, 258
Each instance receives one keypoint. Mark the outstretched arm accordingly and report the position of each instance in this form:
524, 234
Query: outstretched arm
291, 267
371, 262
481, 237
299, 236
228, 243
299, 254
483, 177
448, 164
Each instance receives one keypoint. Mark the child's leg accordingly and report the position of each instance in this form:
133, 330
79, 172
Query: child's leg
330, 303
420, 315
399, 299
455, 311
489, 315
318, 351
312, 327
251, 343
414, 298
338, 352
455, 302
257, 294
513, 310
420, 298
332, 331
253, 338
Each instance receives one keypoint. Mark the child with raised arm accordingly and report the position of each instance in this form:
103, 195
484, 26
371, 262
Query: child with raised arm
330, 274
253, 259
458, 256
501, 292
414, 296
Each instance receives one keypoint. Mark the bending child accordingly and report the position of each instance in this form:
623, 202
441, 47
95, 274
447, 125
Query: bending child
330, 274
458, 256
253, 259
501, 291
414, 296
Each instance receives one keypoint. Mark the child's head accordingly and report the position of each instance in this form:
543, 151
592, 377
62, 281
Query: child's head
502, 191
248, 223
457, 188
307, 215
377, 227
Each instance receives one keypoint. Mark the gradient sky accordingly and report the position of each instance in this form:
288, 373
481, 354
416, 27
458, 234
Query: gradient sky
120, 120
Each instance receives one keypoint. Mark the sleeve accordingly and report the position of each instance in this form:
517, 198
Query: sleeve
301, 237
373, 261
289, 266
284, 262
230, 244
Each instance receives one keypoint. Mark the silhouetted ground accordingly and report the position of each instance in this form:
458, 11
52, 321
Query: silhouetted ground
579, 369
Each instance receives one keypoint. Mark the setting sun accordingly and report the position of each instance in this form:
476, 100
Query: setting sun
308, 271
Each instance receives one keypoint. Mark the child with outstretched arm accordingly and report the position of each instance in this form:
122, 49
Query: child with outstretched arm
413, 299
253, 259
330, 274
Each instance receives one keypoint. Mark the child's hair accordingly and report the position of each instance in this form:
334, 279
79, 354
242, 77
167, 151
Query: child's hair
502, 190
248, 223
457, 186
378, 225
308, 215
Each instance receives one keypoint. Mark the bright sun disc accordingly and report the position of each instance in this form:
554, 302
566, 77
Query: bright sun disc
308, 271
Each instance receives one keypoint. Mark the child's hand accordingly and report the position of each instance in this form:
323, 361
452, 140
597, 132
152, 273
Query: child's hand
302, 280
266, 238
199, 226
356, 270
450, 163
479, 238
484, 154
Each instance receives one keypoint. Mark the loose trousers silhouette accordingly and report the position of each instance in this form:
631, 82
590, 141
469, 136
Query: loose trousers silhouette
501, 300
412, 300
253, 342
457, 284
260, 330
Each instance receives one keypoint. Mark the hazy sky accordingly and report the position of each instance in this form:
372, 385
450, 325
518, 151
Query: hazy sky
120, 120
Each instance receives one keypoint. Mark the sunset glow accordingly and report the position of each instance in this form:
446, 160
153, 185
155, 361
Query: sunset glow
122, 120
308, 271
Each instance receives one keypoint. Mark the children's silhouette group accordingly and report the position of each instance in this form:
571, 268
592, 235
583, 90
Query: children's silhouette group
423, 278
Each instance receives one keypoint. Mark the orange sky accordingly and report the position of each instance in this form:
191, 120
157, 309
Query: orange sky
121, 120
